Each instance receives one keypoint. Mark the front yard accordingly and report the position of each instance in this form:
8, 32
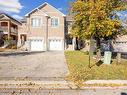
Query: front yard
78, 63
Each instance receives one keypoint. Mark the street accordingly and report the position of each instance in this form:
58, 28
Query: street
65, 92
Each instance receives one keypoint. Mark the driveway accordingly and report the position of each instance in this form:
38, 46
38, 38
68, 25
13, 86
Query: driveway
33, 65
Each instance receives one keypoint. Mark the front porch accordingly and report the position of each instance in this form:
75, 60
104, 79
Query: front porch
73, 43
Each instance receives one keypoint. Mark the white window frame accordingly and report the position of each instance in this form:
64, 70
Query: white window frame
38, 22
53, 26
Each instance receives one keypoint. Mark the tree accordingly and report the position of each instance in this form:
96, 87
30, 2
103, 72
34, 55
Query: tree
97, 19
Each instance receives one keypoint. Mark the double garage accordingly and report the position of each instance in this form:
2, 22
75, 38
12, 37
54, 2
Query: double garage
39, 45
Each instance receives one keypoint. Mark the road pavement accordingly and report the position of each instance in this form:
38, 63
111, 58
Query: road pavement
65, 92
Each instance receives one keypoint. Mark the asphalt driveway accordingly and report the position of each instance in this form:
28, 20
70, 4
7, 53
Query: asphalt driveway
36, 65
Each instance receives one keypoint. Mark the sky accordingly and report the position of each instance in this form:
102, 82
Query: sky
18, 8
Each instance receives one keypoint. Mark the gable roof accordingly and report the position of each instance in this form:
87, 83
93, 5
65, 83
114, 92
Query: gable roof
42, 5
4, 14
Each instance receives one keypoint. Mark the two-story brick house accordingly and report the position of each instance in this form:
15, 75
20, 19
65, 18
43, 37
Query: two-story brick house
43, 29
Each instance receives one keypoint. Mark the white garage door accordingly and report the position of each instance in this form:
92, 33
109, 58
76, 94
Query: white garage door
55, 44
37, 45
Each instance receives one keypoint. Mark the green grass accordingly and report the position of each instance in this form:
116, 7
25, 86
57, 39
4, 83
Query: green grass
79, 68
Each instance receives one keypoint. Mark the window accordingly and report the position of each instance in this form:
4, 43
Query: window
36, 22
4, 24
54, 22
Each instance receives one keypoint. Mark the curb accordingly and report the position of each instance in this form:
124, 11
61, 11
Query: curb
17, 53
34, 85
59, 85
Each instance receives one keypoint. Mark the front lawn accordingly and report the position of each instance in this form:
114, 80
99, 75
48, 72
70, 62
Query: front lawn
79, 68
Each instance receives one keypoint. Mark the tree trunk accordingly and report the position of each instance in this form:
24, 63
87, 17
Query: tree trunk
98, 49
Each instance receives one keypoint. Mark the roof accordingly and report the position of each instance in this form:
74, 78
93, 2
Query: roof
122, 38
23, 20
42, 5
10, 17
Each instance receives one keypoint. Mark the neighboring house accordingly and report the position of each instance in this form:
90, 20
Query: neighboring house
8, 29
120, 44
43, 29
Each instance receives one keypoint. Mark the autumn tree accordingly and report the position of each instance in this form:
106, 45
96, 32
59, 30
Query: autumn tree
97, 19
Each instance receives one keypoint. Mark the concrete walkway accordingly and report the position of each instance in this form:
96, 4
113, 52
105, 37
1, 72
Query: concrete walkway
45, 65
122, 82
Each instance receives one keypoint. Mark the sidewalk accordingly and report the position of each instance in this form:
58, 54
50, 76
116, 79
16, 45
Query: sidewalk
92, 84
122, 82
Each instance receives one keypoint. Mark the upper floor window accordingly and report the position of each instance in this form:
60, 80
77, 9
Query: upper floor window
4, 24
36, 22
54, 22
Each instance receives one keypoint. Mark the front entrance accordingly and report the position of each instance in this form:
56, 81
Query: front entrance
23, 38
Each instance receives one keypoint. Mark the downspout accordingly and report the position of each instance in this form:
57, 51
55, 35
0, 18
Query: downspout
47, 18
65, 28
